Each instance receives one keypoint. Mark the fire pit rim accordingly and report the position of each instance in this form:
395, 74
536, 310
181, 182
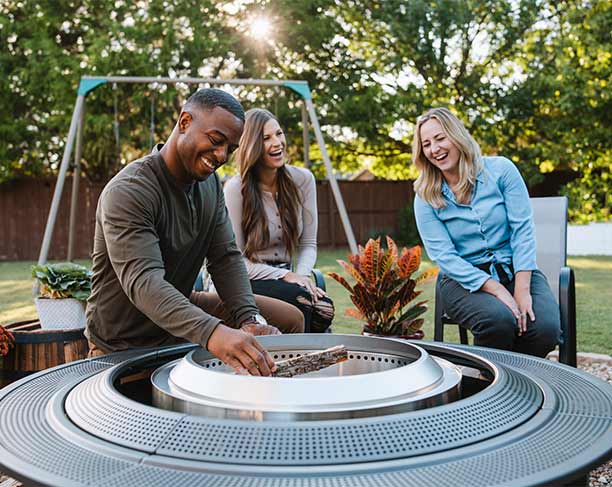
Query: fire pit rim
187, 380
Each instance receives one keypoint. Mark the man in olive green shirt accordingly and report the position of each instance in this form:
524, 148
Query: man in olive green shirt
156, 221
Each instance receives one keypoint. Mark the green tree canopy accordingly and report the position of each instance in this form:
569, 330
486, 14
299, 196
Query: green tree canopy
530, 78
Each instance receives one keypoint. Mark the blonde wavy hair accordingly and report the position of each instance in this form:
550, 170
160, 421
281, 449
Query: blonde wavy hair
428, 185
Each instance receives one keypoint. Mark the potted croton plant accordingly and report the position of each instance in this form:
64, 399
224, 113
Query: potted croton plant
63, 290
7, 341
384, 292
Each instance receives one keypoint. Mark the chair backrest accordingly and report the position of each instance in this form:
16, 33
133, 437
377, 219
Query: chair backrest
550, 218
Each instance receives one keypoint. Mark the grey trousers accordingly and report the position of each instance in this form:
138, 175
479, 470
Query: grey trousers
493, 324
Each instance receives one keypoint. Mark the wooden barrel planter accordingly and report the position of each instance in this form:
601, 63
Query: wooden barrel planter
37, 349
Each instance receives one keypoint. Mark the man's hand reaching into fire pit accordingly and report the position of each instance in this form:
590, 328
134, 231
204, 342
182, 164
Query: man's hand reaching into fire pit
241, 350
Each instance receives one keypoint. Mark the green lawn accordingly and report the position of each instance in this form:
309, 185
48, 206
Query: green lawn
593, 294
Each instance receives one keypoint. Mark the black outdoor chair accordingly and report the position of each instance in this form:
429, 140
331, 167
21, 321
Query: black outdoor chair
550, 217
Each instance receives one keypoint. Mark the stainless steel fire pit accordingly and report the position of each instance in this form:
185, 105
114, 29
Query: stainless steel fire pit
381, 377
507, 419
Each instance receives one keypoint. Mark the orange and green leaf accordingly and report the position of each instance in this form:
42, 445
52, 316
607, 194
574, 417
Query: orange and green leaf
354, 259
367, 261
409, 261
427, 275
354, 273
341, 280
392, 247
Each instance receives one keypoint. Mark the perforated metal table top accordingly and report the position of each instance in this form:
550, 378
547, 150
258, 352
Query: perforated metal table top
539, 423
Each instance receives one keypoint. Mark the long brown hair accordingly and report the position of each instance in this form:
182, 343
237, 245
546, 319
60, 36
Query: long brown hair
254, 220
429, 183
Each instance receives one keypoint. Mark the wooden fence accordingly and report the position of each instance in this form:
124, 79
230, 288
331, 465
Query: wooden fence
373, 206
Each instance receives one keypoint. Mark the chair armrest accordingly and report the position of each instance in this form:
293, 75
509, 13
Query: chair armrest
567, 309
438, 313
319, 279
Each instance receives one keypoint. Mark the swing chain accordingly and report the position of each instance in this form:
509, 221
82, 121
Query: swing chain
116, 127
152, 114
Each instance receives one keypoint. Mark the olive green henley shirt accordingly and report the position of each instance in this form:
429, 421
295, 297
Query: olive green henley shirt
151, 238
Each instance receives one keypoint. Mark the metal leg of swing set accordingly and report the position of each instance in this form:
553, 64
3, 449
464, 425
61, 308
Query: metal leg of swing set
333, 184
61, 178
76, 175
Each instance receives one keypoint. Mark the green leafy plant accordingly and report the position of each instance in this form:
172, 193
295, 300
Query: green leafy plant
63, 280
408, 233
384, 289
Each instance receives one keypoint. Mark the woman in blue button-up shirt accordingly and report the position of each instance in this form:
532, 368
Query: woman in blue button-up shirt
474, 217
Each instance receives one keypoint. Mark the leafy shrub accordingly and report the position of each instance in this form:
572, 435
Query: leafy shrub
408, 233
64, 280
384, 287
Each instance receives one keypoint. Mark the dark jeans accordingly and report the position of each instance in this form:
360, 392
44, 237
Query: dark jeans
493, 324
317, 316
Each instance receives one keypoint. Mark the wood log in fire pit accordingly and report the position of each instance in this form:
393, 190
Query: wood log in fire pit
311, 362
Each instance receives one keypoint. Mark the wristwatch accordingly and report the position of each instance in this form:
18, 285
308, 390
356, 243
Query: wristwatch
257, 319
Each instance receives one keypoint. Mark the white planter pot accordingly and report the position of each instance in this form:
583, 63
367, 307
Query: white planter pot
56, 314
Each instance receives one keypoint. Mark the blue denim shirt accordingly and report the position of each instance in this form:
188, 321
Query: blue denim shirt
496, 227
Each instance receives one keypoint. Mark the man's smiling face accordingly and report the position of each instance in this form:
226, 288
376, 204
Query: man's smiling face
206, 140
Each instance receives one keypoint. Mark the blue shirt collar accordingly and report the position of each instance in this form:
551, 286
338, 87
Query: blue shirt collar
480, 177
446, 191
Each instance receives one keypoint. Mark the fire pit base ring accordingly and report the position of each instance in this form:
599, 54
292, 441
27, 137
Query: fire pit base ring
563, 429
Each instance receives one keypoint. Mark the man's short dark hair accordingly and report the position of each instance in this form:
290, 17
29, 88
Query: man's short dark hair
209, 98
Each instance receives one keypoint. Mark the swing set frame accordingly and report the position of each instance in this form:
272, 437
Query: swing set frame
75, 134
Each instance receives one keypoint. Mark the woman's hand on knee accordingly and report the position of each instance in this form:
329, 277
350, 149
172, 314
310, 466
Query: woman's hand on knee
525, 304
500, 292
306, 283
320, 293
522, 296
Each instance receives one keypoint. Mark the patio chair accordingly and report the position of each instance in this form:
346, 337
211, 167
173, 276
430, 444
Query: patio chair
550, 218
